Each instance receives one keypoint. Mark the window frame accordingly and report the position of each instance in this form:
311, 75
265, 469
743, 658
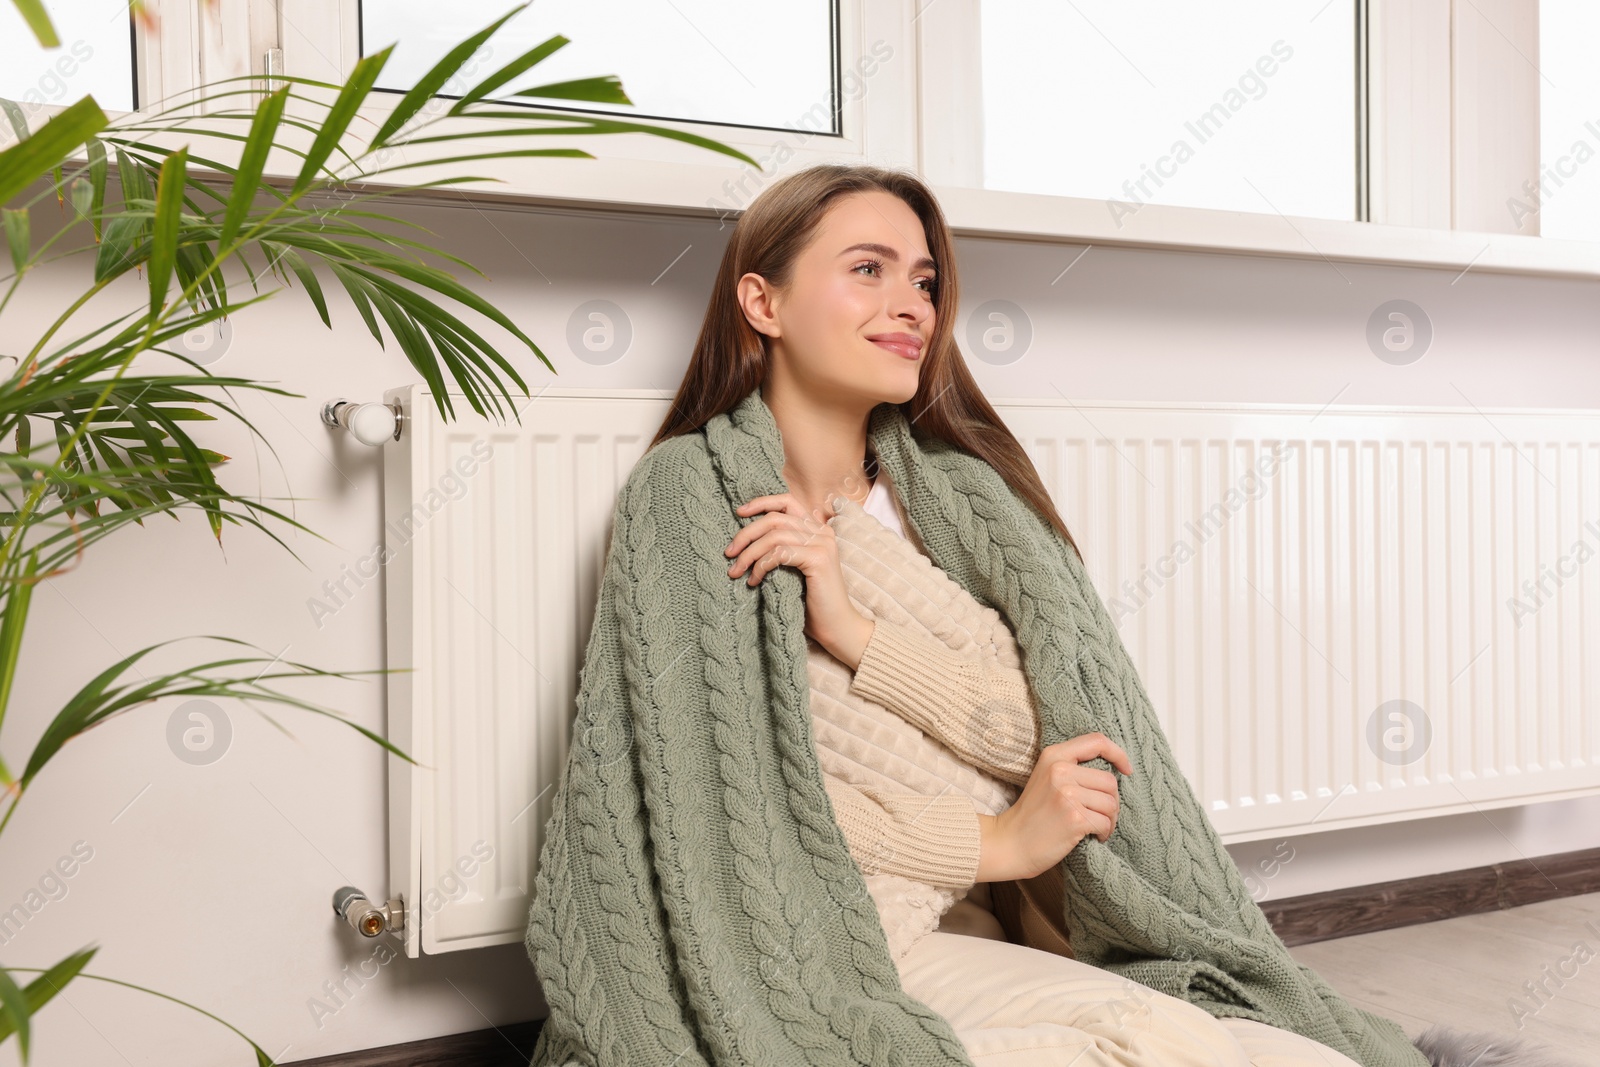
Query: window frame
654, 172
952, 128
1435, 156
192, 44
157, 70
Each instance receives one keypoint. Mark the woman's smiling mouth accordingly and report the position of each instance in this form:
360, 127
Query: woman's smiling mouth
905, 344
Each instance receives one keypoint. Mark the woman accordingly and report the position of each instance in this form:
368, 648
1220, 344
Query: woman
719, 883
852, 322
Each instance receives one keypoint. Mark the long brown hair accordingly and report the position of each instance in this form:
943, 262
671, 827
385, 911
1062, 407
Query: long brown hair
730, 357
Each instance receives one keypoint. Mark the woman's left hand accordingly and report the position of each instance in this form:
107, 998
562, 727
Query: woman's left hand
787, 535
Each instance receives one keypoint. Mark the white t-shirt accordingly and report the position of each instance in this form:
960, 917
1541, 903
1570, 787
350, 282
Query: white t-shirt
880, 506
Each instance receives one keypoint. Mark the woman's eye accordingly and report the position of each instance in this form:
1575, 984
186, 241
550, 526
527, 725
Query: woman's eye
878, 266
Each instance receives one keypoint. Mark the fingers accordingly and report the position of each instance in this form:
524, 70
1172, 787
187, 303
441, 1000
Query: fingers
780, 547
1089, 746
1090, 811
758, 528
785, 504
781, 501
780, 516
1104, 804
777, 539
1095, 778
761, 559
1101, 826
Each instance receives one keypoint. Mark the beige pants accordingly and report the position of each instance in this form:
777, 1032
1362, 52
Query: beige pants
1022, 1007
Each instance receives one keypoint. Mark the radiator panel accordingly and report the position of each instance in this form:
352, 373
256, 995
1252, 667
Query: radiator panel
1380, 558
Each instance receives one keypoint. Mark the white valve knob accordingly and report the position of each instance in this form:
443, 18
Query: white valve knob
371, 424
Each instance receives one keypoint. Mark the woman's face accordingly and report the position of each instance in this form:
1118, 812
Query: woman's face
844, 299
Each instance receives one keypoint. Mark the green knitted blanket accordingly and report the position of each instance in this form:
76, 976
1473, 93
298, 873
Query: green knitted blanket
695, 901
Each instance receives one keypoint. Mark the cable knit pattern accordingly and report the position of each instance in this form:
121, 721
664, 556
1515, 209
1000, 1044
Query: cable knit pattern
695, 902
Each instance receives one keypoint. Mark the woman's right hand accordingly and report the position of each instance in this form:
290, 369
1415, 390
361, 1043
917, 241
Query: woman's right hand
1062, 803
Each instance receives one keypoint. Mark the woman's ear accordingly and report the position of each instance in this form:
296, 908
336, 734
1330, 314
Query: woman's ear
754, 296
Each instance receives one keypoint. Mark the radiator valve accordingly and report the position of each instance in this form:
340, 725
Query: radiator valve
371, 424
365, 917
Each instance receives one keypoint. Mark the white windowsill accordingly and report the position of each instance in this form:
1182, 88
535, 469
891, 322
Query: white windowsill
978, 212
680, 188
687, 186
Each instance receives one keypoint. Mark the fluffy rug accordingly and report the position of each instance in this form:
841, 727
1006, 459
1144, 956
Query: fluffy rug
1448, 1047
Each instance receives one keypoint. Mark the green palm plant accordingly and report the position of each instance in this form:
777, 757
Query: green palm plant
88, 443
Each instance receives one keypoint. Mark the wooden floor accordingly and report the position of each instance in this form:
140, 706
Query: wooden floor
1470, 972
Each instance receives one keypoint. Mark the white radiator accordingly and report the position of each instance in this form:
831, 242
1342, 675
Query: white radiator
1342, 617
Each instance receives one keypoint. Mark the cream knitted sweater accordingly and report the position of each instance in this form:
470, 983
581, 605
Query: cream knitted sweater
936, 724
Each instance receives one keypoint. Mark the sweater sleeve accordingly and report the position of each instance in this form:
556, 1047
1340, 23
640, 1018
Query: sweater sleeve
980, 709
935, 840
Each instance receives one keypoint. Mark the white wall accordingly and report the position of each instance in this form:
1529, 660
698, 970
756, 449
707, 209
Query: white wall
213, 883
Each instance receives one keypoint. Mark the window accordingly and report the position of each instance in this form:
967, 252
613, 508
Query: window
1564, 199
96, 57
719, 61
126, 62
1248, 106
1275, 127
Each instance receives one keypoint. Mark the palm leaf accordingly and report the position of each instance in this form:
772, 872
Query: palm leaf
124, 449
262, 1059
99, 699
98, 167
16, 226
24, 162
14, 1014
344, 108
262, 131
164, 246
580, 125
518, 66
12, 621
38, 20
435, 79
603, 90
19, 121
